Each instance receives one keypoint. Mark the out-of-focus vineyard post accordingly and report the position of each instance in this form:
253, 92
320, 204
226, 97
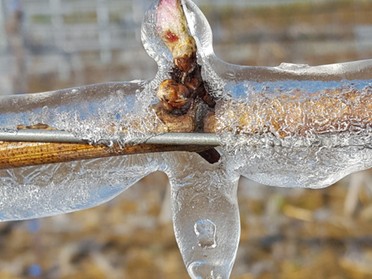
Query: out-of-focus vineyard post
14, 34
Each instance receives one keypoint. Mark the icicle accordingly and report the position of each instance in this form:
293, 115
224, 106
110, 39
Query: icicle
205, 214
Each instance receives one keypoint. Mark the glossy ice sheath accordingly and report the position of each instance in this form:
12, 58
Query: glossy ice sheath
97, 112
39, 191
288, 126
291, 125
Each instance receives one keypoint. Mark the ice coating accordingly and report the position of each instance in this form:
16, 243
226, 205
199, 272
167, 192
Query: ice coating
38, 191
308, 167
291, 125
204, 201
102, 113
154, 45
97, 113
323, 134
295, 140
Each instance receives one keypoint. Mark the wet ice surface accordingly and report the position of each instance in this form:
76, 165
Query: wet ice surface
285, 137
204, 204
33, 192
316, 144
97, 113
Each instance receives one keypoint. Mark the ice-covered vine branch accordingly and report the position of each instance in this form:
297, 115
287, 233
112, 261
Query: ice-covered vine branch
288, 126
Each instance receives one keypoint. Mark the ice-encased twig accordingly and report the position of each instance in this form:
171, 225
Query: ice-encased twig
292, 121
292, 125
297, 125
112, 116
23, 154
296, 112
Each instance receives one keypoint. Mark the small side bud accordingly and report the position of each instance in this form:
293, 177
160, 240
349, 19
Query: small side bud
174, 97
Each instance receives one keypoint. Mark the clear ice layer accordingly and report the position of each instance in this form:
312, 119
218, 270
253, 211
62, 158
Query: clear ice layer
316, 144
39, 191
99, 113
204, 202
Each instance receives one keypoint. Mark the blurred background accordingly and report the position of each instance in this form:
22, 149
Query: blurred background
286, 233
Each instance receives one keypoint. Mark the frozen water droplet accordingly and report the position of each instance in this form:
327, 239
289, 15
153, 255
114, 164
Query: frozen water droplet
205, 231
110, 143
203, 270
202, 33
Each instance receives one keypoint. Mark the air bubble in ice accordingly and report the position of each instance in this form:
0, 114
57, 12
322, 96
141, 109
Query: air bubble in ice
205, 231
203, 270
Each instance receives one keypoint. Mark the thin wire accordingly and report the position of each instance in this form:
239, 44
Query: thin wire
35, 135
56, 136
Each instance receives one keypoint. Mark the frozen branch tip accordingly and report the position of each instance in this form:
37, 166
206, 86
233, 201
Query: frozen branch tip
173, 29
